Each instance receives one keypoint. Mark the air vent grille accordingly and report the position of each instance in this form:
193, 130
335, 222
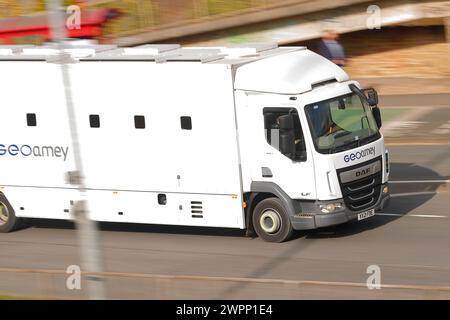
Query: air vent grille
197, 209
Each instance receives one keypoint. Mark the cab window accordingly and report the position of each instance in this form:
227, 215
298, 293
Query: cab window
272, 130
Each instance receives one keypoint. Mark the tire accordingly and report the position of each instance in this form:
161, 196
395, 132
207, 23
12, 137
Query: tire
8, 219
271, 221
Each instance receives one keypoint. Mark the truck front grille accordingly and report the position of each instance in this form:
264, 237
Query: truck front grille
362, 193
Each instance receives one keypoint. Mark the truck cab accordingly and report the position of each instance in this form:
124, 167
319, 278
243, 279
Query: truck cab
315, 150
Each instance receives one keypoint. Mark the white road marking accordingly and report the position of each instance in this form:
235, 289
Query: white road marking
412, 215
417, 143
427, 216
440, 131
420, 181
392, 128
400, 128
406, 124
443, 129
408, 194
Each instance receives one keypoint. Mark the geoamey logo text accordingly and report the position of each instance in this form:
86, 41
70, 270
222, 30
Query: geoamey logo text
360, 154
26, 150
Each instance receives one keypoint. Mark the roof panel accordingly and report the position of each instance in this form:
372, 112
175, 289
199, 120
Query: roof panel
291, 73
285, 70
235, 55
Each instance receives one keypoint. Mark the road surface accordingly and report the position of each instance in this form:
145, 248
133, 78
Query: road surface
420, 118
409, 241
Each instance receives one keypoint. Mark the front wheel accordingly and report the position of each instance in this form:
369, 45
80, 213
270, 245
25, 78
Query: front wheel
8, 219
271, 221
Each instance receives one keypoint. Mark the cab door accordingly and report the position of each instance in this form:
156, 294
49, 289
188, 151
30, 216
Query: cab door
293, 171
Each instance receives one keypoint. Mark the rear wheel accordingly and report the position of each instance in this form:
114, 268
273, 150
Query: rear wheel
271, 221
8, 219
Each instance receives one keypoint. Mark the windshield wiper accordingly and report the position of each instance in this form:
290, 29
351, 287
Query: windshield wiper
342, 134
370, 138
345, 146
356, 90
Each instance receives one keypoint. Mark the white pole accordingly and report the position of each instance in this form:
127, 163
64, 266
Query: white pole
87, 229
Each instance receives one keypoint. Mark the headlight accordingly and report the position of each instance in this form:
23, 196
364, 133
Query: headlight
330, 207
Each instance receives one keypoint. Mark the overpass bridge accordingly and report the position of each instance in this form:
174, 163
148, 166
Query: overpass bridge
291, 21
413, 41
405, 45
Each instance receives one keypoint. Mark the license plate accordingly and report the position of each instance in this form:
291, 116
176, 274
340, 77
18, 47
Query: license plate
366, 214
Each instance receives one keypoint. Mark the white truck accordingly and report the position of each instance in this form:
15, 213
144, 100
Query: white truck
264, 138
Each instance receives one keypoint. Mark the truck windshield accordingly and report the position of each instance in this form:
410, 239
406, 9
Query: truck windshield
341, 123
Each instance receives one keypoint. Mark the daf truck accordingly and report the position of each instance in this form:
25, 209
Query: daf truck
264, 138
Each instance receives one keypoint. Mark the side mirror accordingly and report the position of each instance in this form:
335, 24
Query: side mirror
372, 97
287, 144
377, 115
286, 122
287, 136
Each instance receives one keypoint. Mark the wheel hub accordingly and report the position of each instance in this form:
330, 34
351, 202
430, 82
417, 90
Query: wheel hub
270, 221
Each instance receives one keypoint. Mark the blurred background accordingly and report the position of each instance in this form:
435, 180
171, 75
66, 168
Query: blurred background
400, 47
